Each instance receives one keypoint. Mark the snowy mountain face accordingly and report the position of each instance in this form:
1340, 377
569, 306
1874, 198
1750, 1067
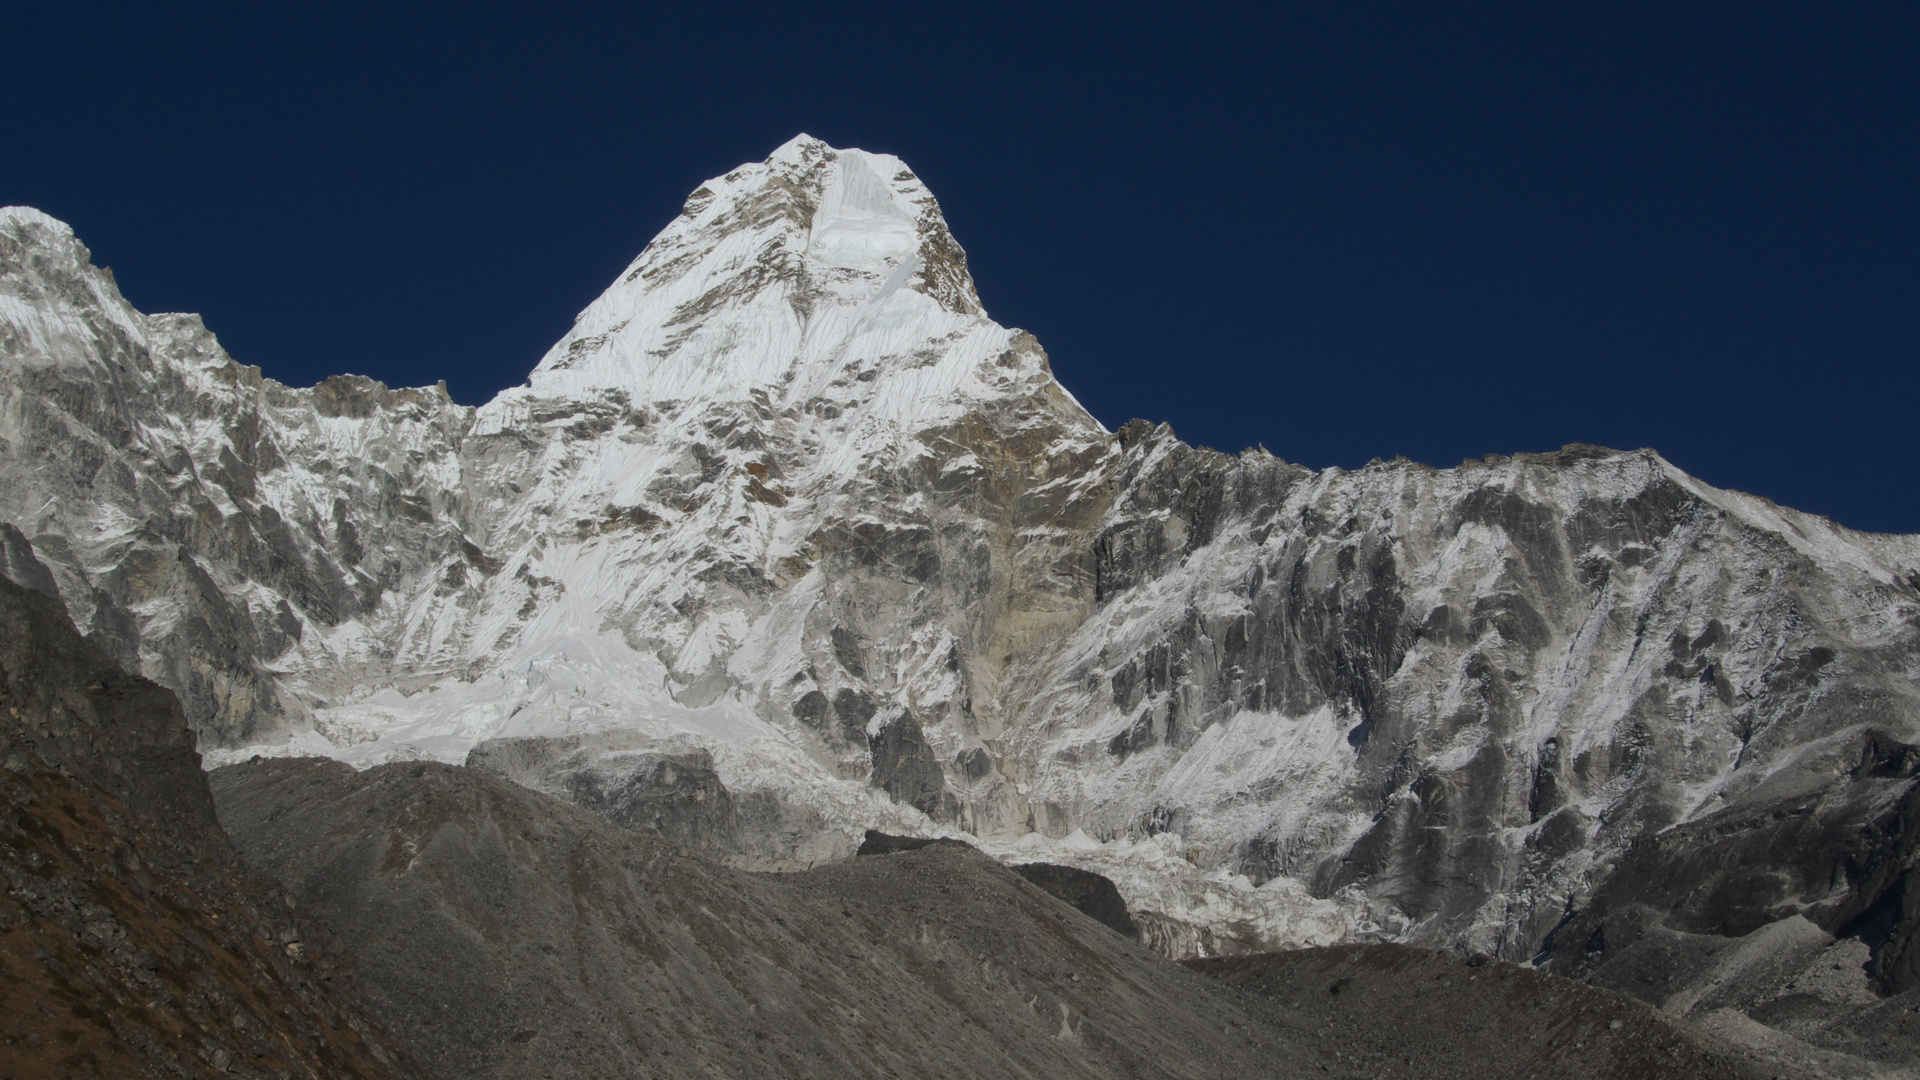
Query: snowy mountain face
787, 520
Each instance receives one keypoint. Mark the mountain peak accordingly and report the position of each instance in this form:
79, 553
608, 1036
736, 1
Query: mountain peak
786, 498
27, 215
802, 260
801, 147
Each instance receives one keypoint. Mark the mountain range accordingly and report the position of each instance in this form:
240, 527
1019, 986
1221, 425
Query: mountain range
787, 540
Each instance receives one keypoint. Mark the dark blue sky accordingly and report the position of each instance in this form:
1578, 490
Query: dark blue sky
1386, 230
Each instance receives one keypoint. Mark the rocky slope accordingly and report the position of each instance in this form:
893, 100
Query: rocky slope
132, 941
786, 506
503, 932
1471, 1019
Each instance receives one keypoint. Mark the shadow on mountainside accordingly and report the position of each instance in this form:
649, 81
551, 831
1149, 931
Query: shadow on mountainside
132, 940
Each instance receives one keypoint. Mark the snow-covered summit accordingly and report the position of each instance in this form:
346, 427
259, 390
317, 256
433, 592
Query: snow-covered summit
791, 277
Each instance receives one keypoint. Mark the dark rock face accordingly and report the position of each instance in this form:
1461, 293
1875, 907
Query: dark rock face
1784, 922
131, 940
1788, 988
879, 843
1841, 851
18, 565
905, 767
1090, 894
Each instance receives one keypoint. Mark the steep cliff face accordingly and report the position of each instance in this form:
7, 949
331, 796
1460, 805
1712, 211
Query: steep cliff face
1455, 697
785, 497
